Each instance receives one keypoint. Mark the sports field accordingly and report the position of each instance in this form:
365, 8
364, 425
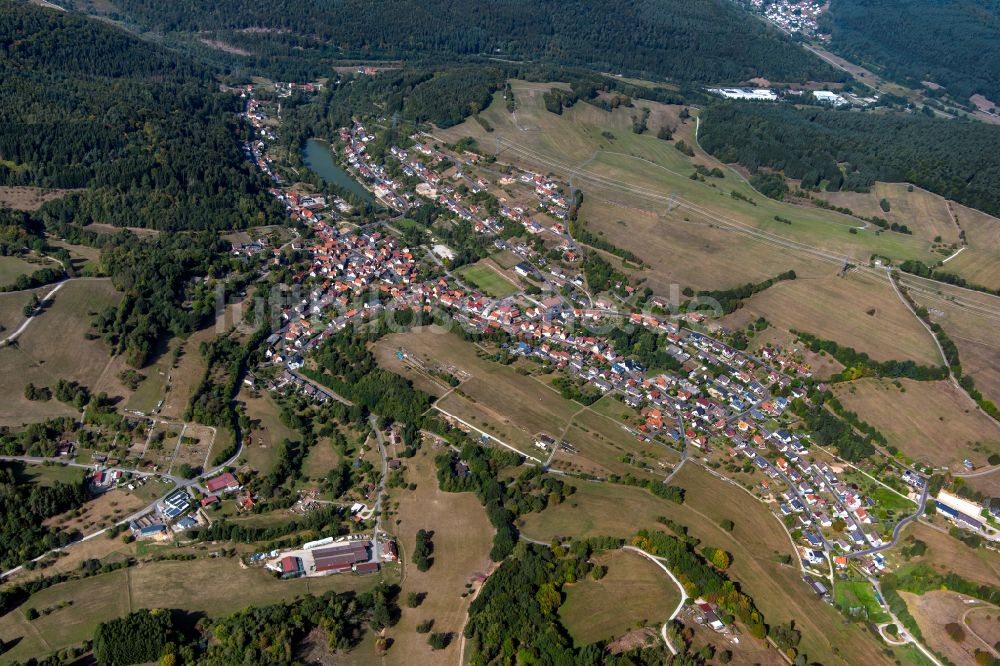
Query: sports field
932, 422
633, 592
487, 276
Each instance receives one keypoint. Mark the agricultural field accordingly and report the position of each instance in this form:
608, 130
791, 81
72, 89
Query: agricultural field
196, 588
936, 612
54, 347
757, 543
488, 277
931, 422
462, 537
633, 592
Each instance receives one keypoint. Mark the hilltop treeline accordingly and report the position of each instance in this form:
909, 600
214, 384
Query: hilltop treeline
955, 44
702, 40
142, 129
850, 151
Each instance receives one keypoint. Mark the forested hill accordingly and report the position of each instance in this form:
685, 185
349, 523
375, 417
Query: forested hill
954, 43
143, 130
956, 159
691, 40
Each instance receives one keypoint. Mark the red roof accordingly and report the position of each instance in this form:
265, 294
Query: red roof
290, 564
222, 482
211, 499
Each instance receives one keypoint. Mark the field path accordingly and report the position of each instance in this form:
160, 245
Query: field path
680, 604
48, 297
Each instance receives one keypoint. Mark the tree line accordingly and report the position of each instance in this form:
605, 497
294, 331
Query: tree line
841, 150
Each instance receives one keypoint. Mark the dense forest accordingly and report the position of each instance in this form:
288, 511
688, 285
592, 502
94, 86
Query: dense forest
953, 43
702, 40
850, 151
23, 507
144, 130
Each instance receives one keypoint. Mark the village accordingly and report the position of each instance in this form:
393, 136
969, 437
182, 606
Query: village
723, 406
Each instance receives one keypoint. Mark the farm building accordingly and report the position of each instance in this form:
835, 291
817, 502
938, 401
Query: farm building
224, 483
337, 559
291, 567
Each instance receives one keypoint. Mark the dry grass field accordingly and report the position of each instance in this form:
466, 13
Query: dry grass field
53, 347
837, 308
515, 408
938, 608
103, 511
643, 173
946, 554
633, 592
210, 586
756, 542
195, 447
926, 214
266, 432
984, 622
979, 263
13, 267
28, 198
932, 422
462, 540
971, 320
12, 308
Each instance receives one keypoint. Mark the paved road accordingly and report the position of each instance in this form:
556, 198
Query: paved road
903, 633
177, 482
899, 527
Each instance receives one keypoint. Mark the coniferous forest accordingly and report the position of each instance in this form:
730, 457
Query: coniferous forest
959, 160
953, 44
144, 130
699, 40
